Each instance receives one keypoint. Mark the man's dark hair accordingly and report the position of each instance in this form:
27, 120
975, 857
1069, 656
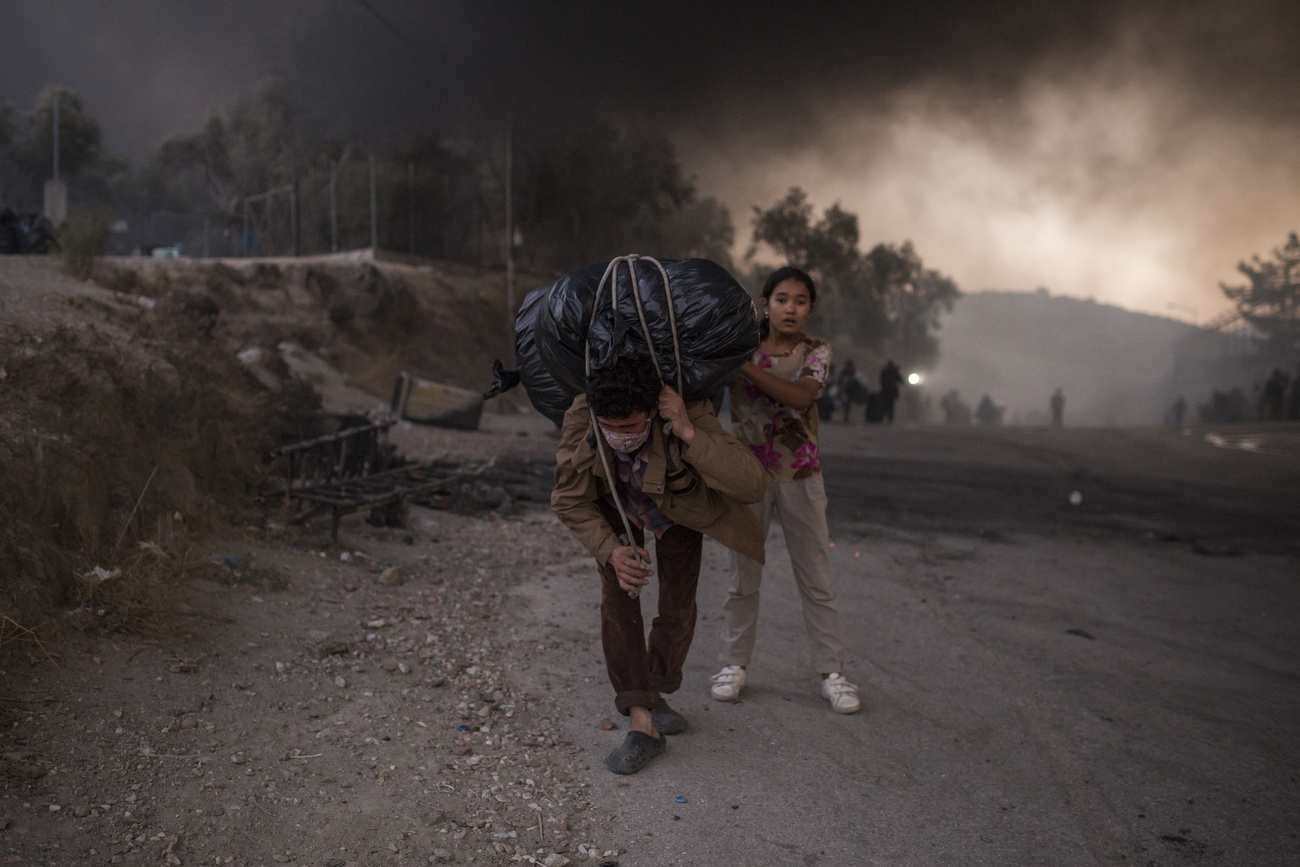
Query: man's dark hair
629, 385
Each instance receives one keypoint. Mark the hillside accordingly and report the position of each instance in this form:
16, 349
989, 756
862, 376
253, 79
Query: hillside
1114, 366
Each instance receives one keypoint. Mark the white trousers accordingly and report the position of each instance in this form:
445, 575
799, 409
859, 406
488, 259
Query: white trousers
802, 504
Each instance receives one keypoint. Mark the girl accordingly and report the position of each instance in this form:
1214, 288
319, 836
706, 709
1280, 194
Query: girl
774, 412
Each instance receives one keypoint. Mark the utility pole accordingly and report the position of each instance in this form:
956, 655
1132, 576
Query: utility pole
410, 207
510, 229
374, 217
334, 206
56, 136
56, 193
293, 214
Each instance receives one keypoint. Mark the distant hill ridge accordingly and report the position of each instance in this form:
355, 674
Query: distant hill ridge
1115, 366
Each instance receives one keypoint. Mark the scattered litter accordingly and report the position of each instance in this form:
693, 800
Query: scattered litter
1209, 549
100, 574
606, 724
153, 548
681, 799
393, 576
345, 556
252, 355
1075, 498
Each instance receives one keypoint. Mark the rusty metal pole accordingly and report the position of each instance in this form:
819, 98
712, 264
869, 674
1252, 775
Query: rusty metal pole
510, 232
334, 206
374, 217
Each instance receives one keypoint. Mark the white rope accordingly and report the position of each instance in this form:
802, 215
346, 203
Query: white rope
612, 270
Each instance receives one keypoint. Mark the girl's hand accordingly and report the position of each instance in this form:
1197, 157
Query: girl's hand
800, 394
672, 408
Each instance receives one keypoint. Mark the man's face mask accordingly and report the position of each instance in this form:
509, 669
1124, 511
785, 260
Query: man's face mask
626, 442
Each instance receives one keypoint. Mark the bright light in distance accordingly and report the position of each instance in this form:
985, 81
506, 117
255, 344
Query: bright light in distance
914, 379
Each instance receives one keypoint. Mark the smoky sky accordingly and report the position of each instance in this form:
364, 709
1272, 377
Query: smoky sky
1129, 151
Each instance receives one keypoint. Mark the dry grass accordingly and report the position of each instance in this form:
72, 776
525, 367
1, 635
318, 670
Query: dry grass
82, 240
104, 447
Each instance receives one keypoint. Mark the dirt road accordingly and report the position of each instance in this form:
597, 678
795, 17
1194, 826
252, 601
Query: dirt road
1112, 682
1109, 682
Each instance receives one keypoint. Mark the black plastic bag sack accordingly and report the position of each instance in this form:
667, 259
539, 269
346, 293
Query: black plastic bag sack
547, 395
717, 330
717, 327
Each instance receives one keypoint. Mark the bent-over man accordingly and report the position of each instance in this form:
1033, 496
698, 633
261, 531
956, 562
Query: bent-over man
679, 476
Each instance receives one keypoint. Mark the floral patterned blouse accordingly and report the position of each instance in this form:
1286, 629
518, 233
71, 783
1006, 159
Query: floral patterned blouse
782, 438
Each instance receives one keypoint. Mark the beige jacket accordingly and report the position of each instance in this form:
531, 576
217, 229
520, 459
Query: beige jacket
715, 477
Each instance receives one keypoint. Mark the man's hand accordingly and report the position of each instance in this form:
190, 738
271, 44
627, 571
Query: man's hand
672, 408
632, 575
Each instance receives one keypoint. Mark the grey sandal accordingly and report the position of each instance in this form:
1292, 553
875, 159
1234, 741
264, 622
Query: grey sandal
637, 749
667, 721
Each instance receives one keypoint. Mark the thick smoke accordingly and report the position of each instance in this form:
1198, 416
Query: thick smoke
1097, 148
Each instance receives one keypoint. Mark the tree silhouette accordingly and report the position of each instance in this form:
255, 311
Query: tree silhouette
80, 139
1270, 299
885, 299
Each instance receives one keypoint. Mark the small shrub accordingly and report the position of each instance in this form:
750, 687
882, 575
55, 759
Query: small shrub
82, 239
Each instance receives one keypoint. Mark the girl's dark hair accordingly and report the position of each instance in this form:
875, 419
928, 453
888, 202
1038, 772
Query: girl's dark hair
779, 276
629, 385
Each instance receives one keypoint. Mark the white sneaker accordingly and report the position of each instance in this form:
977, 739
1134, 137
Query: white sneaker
842, 695
728, 683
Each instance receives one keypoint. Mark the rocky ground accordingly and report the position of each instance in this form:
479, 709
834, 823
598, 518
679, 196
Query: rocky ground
1075, 647
379, 700
270, 695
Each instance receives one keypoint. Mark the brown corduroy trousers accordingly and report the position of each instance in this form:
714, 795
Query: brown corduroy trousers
641, 671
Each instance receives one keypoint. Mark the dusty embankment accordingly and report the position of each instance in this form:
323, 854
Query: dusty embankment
226, 689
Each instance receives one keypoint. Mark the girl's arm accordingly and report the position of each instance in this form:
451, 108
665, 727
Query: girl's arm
800, 394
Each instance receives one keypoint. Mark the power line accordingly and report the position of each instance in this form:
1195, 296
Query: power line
397, 34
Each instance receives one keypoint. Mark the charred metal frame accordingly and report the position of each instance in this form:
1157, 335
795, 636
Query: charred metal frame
336, 473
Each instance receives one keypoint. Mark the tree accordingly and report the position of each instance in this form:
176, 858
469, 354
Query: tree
80, 139
589, 191
585, 190
6, 140
912, 298
6, 124
1270, 300
885, 300
246, 148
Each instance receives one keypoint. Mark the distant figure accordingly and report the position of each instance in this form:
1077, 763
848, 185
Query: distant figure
1180, 411
989, 413
1274, 397
891, 379
829, 397
955, 410
1293, 405
1058, 408
851, 387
